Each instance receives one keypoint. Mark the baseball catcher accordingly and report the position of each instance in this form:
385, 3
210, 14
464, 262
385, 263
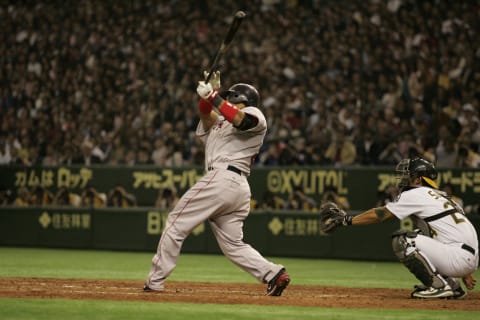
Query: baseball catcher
444, 246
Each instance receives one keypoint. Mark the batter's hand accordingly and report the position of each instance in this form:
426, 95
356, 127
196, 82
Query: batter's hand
205, 90
214, 79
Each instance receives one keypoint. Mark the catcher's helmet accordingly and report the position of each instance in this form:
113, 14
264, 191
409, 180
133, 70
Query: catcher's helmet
417, 168
242, 93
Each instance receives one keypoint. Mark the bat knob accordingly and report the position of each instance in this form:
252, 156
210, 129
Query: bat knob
240, 14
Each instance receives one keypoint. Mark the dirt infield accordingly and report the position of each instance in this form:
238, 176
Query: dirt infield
227, 293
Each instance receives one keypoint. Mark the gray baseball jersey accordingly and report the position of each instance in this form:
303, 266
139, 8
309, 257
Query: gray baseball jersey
226, 145
221, 196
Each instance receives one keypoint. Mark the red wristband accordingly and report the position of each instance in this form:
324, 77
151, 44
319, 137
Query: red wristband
228, 110
205, 106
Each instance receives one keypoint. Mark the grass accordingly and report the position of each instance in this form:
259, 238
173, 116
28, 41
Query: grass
57, 263
83, 309
32, 262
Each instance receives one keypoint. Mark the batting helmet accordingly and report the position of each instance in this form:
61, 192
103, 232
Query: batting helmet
417, 168
242, 93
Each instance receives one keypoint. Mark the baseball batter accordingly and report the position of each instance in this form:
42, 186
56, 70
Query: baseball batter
232, 138
443, 248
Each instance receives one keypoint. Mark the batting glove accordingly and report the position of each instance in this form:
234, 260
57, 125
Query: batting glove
214, 79
205, 90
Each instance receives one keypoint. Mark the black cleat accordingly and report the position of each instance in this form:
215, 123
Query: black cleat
459, 293
146, 288
278, 283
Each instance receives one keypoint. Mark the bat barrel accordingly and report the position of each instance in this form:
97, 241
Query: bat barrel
237, 20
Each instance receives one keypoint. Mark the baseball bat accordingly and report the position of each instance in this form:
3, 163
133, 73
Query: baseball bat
237, 20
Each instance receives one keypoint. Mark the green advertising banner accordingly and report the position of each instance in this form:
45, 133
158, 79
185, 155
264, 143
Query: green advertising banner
288, 234
115, 229
359, 185
55, 227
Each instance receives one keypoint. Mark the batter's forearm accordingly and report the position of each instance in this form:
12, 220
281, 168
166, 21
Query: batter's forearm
208, 120
207, 115
228, 110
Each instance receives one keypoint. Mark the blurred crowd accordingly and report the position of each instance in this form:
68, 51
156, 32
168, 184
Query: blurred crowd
342, 82
299, 201
88, 197
118, 197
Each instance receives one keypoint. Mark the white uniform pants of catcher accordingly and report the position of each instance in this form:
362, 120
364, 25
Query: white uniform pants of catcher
223, 198
449, 260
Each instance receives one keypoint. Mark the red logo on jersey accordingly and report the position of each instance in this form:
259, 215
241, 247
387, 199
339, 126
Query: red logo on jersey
218, 126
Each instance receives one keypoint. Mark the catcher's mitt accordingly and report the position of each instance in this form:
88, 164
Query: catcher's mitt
331, 217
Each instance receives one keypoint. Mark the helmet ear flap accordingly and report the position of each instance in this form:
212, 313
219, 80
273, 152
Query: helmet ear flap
236, 97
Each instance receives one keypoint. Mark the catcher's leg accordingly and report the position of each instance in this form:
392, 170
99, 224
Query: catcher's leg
403, 243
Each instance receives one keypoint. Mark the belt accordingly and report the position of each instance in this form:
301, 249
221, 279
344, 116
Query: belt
468, 248
230, 168
234, 169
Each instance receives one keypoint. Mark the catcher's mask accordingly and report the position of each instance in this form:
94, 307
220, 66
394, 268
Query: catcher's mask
409, 169
242, 93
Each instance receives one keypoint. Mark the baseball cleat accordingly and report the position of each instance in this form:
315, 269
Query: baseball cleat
418, 288
146, 288
278, 283
432, 293
459, 293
